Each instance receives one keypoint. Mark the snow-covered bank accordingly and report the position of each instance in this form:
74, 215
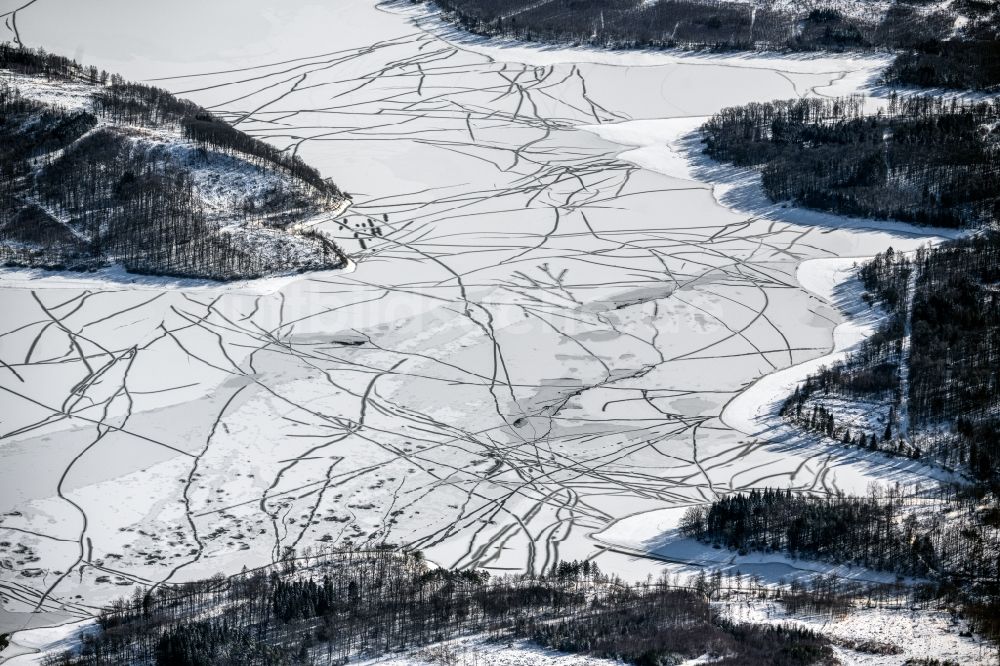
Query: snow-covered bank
655, 534
31, 647
116, 277
832, 280
656, 141
429, 18
672, 147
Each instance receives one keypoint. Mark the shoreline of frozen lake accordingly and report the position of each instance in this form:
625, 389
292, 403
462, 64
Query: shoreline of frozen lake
542, 342
755, 412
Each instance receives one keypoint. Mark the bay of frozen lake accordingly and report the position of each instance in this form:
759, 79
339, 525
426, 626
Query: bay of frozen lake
530, 361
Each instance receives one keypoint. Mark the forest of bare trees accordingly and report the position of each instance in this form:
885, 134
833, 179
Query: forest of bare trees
875, 531
924, 159
929, 53
85, 188
952, 420
944, 536
969, 62
342, 605
927, 160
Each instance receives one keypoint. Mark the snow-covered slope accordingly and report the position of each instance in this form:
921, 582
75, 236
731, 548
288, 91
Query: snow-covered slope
181, 194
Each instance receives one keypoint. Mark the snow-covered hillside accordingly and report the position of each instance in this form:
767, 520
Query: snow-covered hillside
124, 174
542, 342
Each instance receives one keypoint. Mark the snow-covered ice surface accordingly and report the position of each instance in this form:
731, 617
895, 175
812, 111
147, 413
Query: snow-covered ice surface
538, 352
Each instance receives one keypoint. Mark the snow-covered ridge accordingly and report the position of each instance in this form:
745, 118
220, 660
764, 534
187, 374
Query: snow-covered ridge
240, 200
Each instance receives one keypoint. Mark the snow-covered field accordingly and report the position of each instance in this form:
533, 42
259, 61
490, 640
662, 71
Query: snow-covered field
479, 652
876, 636
545, 347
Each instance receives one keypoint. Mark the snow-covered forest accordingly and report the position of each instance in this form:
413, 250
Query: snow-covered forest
335, 607
98, 171
922, 159
939, 44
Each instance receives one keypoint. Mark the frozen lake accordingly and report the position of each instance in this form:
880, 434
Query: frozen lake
529, 363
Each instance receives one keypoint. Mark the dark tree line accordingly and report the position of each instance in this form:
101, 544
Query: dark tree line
344, 605
956, 64
139, 104
955, 545
926, 160
971, 61
77, 196
39, 62
871, 371
695, 23
953, 395
930, 55
624, 23
656, 623
955, 358
953, 403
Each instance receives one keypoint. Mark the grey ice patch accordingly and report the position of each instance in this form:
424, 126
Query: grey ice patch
693, 406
